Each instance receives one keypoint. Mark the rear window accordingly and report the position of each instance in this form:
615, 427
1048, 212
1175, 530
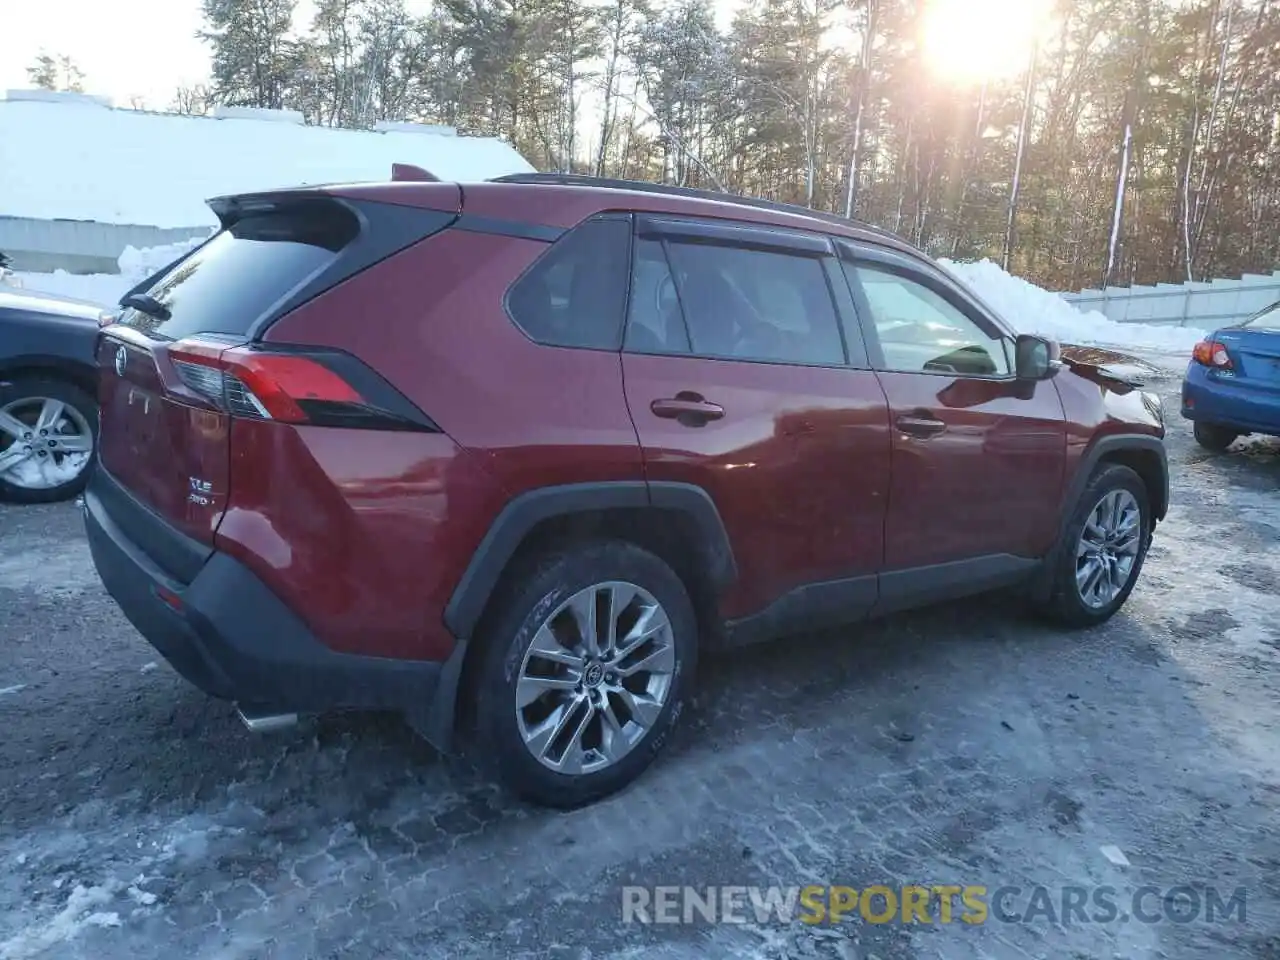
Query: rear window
1268, 319
226, 285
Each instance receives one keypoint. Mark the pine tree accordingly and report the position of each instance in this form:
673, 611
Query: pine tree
255, 64
56, 73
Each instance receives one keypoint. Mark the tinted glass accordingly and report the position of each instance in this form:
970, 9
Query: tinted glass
755, 305
237, 276
1268, 319
575, 295
922, 332
655, 324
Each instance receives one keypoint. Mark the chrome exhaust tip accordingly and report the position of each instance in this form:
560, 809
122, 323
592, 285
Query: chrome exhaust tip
257, 722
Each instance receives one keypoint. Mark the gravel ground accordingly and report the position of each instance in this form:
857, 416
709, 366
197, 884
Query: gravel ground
961, 745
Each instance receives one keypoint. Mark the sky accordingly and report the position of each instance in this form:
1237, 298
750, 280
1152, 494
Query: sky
126, 48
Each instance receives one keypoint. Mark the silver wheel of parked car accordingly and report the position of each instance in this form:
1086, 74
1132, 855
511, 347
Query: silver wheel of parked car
1107, 552
45, 443
595, 677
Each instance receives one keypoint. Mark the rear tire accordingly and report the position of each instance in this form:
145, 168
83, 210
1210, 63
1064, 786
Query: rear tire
564, 730
1104, 545
1212, 437
24, 399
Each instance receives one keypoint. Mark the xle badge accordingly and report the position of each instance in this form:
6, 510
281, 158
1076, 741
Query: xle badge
200, 490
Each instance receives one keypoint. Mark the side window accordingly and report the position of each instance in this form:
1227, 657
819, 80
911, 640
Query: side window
735, 303
574, 296
655, 324
922, 332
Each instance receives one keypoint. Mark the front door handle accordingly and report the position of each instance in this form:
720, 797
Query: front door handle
921, 425
688, 409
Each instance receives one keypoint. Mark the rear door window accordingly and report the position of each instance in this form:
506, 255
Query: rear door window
575, 295
737, 304
238, 276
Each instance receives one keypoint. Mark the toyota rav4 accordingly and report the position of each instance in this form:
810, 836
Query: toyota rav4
508, 457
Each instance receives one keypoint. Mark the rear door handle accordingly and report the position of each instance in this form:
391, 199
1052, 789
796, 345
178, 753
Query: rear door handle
689, 409
921, 425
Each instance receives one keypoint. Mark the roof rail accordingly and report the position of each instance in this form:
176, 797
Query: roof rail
644, 186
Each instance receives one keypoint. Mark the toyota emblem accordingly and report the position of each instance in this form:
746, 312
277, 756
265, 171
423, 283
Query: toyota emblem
122, 357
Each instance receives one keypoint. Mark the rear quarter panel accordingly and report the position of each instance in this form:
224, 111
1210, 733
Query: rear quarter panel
410, 510
362, 533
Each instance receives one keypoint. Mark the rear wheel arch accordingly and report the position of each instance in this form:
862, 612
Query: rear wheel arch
51, 368
678, 523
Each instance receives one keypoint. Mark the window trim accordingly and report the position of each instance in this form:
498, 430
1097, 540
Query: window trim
666, 230
854, 256
749, 236
550, 245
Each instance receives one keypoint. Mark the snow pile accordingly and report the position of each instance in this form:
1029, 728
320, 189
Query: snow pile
141, 264
76, 159
1029, 309
107, 288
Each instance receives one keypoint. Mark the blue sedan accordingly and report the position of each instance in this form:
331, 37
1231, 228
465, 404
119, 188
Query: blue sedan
1232, 386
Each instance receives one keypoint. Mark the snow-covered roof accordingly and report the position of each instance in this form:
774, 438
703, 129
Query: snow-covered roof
77, 158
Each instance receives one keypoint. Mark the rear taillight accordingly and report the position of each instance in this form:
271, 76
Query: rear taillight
1210, 353
317, 387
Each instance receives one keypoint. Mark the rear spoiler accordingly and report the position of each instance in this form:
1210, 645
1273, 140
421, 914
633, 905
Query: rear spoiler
231, 208
228, 209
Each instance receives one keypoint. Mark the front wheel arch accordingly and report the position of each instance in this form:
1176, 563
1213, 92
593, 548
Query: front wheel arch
1060, 598
1144, 454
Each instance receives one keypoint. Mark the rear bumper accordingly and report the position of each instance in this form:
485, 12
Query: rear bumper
229, 635
1214, 399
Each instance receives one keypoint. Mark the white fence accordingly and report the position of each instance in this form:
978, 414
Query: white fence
1201, 306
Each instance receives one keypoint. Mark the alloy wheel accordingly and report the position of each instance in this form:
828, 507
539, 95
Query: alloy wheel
595, 678
44, 443
1107, 552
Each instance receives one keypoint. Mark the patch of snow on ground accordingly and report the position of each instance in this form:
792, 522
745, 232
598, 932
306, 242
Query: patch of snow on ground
107, 288
1030, 309
77, 914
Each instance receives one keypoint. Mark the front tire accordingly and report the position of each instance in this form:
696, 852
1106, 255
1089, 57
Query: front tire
48, 431
1213, 437
1103, 549
585, 671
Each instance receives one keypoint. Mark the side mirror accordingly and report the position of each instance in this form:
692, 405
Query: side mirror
1036, 358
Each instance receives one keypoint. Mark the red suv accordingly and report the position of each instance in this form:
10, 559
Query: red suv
511, 455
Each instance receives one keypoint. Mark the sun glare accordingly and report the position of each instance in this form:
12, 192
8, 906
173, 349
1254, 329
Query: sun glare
977, 40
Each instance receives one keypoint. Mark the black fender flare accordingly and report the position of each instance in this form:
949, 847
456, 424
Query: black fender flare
49, 366
522, 513
1101, 448
1117, 443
